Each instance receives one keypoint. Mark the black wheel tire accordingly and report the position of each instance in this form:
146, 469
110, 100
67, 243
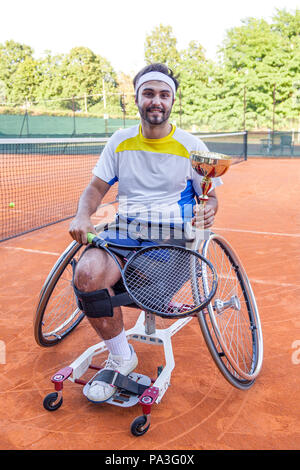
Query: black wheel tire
57, 294
50, 399
221, 338
137, 424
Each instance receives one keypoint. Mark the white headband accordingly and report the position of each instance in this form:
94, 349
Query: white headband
161, 77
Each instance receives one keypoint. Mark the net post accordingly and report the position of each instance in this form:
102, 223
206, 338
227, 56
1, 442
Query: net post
74, 117
25, 120
246, 145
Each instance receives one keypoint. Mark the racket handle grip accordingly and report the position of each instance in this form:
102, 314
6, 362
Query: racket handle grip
90, 237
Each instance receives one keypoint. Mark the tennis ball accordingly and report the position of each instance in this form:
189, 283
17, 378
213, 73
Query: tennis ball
11, 204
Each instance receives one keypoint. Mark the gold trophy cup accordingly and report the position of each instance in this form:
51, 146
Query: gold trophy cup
209, 165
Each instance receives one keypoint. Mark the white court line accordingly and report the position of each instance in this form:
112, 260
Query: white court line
296, 235
31, 251
262, 281
273, 283
257, 281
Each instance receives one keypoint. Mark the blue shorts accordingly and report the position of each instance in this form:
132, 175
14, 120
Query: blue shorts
122, 234
127, 234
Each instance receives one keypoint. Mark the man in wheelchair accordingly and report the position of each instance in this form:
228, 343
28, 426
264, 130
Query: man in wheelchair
156, 193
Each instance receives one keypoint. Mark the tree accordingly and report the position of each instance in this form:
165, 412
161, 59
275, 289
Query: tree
257, 61
193, 76
12, 54
82, 72
51, 85
247, 49
161, 46
257, 56
125, 87
26, 80
287, 25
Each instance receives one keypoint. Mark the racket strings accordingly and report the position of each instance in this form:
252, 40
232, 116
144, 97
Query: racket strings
168, 281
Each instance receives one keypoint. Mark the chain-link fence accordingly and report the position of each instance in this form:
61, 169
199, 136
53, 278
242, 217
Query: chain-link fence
98, 115
273, 144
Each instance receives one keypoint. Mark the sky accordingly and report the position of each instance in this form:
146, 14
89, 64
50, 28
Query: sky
116, 29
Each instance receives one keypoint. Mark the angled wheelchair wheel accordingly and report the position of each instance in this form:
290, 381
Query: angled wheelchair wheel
230, 323
57, 313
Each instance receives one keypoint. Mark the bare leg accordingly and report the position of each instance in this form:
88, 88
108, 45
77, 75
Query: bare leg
97, 270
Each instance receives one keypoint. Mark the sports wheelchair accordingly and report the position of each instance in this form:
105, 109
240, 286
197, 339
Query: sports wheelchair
230, 325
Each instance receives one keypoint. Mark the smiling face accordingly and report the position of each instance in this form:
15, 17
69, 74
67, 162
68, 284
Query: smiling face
154, 101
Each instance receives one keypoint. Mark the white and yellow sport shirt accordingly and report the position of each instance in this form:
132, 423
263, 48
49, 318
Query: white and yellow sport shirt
156, 182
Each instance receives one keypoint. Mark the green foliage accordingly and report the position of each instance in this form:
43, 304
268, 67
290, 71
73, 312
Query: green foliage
12, 56
161, 46
83, 72
258, 56
255, 81
27, 78
61, 82
194, 72
258, 64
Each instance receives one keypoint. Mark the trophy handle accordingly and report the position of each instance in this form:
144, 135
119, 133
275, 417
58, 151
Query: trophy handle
206, 185
190, 231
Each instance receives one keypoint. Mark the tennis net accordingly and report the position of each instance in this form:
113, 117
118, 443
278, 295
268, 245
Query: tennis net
229, 143
42, 179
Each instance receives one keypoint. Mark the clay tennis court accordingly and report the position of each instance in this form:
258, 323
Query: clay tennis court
259, 215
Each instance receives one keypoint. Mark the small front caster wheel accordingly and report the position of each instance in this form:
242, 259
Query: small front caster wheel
138, 426
50, 402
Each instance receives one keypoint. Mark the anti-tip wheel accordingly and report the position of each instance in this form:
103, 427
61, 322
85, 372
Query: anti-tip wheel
50, 402
137, 426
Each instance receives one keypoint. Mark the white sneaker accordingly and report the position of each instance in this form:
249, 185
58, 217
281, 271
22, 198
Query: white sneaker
101, 391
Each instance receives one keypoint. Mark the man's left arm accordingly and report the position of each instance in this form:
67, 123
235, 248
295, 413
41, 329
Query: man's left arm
204, 218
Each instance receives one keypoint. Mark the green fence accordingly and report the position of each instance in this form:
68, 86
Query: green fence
264, 144
16, 125
282, 144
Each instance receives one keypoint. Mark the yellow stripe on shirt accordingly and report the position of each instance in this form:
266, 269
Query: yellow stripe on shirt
166, 145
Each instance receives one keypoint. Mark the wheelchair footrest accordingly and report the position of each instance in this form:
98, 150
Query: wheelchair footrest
122, 397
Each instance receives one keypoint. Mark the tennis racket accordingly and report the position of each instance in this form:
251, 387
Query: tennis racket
165, 280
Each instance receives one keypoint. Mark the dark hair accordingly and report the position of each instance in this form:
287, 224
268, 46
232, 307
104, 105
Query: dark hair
156, 68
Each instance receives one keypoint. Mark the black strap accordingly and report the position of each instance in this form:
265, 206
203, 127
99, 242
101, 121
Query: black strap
113, 377
124, 253
117, 300
121, 299
120, 251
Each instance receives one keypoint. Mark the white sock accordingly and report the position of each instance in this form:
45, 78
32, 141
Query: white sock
118, 346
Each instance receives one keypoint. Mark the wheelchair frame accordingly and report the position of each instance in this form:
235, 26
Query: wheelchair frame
145, 331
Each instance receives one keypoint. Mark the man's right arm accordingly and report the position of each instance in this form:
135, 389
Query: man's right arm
89, 201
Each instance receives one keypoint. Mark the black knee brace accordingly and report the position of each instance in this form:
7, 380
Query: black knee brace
100, 303
94, 304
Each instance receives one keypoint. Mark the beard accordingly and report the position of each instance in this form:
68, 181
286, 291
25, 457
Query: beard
158, 118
